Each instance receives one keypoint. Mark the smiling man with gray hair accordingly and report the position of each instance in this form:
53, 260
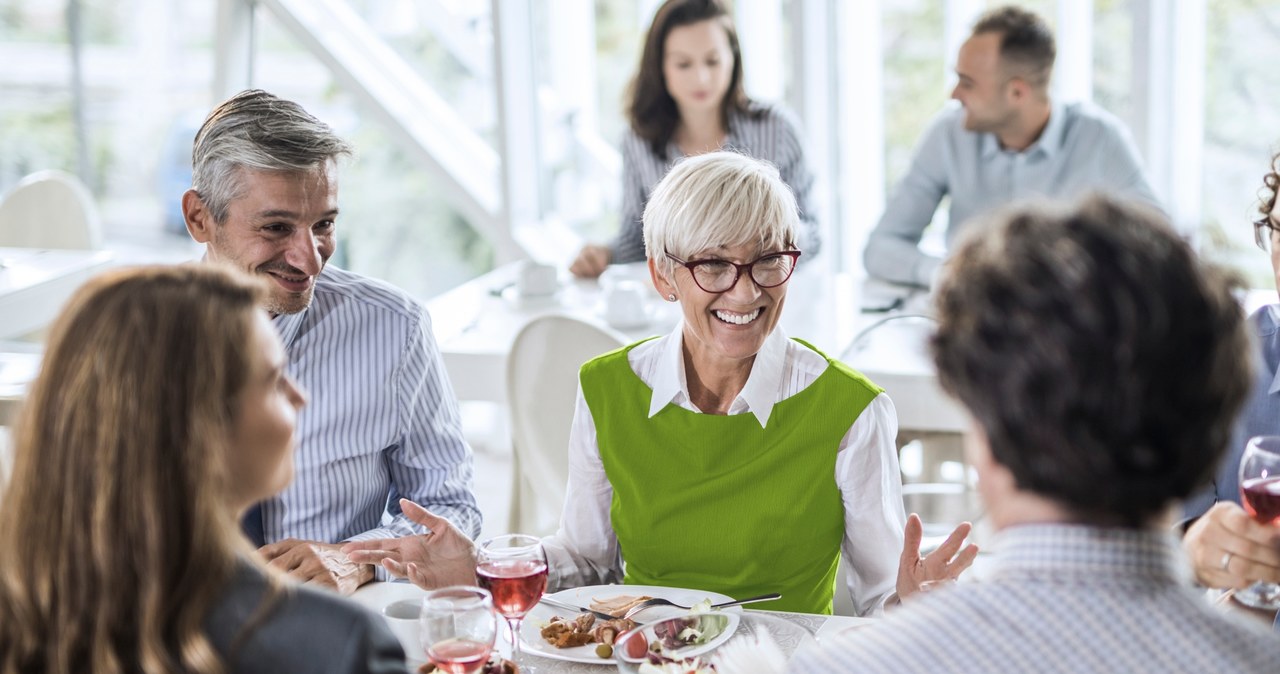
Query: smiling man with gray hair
383, 420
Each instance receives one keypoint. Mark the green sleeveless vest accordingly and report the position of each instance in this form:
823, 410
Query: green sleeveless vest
716, 502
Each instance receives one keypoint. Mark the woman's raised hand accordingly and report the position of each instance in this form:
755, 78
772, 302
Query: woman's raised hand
944, 564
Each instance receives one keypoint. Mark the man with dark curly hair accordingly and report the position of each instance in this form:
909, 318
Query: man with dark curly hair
1102, 366
1227, 547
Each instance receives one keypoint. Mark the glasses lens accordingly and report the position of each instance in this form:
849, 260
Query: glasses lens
714, 277
772, 270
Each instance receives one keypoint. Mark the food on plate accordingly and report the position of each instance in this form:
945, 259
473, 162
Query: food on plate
617, 606
584, 629
495, 665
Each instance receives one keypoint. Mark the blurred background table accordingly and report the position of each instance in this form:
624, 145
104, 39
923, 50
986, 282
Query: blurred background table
35, 283
476, 323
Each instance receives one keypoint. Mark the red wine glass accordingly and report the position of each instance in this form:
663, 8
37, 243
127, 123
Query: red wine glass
514, 568
1260, 491
458, 628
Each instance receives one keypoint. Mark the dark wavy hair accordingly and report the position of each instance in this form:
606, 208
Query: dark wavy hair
1267, 202
1105, 362
650, 108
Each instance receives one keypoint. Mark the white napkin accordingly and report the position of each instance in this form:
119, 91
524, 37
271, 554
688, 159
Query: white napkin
747, 657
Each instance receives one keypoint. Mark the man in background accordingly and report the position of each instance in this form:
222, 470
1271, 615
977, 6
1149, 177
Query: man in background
1006, 141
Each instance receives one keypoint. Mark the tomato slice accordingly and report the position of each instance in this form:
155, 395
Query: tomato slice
636, 645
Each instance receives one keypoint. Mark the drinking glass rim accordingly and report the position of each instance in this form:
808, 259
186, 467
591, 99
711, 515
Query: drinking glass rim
1256, 442
457, 596
528, 542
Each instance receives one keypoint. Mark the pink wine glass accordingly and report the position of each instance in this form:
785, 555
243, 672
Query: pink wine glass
1260, 492
458, 628
513, 567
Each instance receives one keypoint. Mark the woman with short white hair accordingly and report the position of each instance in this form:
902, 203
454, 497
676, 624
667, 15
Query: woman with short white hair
725, 456
722, 456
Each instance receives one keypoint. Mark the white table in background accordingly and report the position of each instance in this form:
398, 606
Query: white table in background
35, 283
476, 324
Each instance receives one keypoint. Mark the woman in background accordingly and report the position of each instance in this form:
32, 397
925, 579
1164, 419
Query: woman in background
686, 99
160, 413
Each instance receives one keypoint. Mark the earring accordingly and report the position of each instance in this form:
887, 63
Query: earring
671, 297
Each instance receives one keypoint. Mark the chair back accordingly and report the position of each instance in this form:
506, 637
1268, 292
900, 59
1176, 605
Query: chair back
542, 386
50, 209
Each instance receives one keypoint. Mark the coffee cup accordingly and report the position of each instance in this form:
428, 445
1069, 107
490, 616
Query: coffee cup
402, 616
537, 279
624, 305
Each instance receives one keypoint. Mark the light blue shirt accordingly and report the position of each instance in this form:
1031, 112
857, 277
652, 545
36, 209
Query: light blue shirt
1083, 148
1260, 416
382, 422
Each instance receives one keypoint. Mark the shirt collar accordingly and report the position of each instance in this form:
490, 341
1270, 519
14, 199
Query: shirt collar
1088, 553
287, 325
759, 394
1270, 320
1049, 142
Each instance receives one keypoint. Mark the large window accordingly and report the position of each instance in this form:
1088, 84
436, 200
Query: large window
1242, 127
411, 217
396, 224
127, 133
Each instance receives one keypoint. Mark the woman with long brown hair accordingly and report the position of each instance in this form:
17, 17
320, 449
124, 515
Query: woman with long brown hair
688, 98
161, 412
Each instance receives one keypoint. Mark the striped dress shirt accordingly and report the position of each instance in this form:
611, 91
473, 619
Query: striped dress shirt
767, 132
1060, 598
382, 422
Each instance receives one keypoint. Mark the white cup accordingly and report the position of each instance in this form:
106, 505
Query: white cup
402, 616
536, 279
624, 305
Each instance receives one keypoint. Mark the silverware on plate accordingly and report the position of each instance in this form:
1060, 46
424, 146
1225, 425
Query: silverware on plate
553, 603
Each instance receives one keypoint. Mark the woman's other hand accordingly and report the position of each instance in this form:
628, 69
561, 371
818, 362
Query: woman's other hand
946, 563
591, 261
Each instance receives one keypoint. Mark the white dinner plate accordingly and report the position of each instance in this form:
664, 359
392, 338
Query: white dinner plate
531, 640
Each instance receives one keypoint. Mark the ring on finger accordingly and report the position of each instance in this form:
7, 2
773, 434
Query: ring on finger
1226, 561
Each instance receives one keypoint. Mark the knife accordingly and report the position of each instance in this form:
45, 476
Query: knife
575, 609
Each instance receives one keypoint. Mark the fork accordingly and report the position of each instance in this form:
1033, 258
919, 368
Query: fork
659, 601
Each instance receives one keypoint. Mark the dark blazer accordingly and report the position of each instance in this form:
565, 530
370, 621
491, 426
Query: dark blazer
306, 630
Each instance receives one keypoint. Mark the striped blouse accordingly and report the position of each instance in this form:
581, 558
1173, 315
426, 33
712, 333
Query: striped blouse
382, 422
769, 133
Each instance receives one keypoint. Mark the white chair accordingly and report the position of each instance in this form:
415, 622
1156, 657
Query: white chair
50, 209
542, 385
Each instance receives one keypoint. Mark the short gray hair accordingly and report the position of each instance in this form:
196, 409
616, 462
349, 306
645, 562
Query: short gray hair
259, 131
719, 199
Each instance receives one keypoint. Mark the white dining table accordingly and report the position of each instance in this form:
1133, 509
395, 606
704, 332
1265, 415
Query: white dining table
377, 595
476, 324
36, 282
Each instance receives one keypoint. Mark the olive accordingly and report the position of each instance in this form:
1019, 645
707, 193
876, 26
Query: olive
604, 650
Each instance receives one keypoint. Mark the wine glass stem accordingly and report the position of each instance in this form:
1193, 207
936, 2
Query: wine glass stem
513, 626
